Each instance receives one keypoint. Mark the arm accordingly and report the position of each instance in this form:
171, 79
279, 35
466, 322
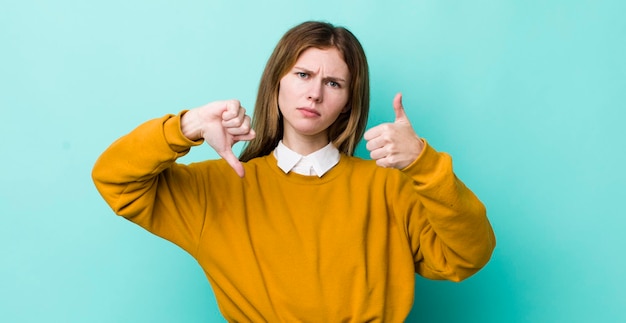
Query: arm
139, 179
450, 234
449, 231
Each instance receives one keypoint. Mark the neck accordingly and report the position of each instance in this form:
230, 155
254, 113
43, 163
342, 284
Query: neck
305, 145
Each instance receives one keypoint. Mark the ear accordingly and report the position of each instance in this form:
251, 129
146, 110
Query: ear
345, 109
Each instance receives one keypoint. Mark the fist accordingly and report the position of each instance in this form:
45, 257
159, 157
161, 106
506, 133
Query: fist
221, 124
394, 144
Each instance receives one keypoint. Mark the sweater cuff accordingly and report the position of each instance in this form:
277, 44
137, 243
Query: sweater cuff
174, 135
424, 165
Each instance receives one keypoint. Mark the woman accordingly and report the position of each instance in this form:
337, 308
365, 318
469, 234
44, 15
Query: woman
301, 230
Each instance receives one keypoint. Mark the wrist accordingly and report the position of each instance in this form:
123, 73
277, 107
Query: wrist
190, 125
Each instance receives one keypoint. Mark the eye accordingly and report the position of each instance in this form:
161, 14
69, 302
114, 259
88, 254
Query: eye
302, 75
334, 84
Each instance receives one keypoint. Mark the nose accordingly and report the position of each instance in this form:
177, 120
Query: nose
315, 92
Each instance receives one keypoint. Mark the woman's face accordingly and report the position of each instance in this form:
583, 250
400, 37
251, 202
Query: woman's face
313, 94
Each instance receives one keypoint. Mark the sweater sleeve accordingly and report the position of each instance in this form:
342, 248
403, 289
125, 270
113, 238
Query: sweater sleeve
449, 231
138, 177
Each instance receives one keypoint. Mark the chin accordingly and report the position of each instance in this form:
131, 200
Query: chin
309, 132
308, 128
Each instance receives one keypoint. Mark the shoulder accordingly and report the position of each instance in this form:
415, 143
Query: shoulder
387, 185
218, 175
359, 163
211, 168
364, 167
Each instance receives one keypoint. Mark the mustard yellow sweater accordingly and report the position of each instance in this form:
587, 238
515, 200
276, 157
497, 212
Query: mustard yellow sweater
282, 247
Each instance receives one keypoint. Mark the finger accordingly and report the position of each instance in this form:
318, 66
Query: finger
399, 108
377, 154
240, 129
246, 137
236, 122
383, 162
232, 110
375, 143
232, 160
373, 133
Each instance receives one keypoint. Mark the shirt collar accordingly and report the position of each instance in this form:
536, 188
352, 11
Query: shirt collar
316, 163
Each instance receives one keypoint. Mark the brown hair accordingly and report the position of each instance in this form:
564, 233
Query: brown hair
348, 129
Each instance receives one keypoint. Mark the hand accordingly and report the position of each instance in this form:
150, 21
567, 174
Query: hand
394, 144
222, 124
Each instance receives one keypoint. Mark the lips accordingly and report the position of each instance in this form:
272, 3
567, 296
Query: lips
308, 112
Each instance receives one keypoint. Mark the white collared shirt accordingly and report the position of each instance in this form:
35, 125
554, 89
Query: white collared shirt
316, 163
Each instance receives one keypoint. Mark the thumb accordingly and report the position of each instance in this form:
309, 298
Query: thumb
398, 108
232, 160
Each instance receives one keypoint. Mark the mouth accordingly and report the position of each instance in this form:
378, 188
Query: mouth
308, 112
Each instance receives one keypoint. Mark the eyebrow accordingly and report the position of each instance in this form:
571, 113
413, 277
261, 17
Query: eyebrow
332, 78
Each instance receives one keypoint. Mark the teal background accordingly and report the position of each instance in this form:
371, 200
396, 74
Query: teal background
528, 97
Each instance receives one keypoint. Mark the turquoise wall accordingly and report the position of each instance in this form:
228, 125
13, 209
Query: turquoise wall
529, 97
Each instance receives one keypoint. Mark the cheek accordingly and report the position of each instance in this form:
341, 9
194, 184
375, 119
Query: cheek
284, 90
341, 100
346, 99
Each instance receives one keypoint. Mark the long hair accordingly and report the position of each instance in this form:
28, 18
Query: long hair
267, 122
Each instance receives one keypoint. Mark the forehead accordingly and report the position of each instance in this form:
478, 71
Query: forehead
329, 60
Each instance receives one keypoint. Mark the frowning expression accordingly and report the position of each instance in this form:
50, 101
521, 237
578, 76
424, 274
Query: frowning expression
313, 93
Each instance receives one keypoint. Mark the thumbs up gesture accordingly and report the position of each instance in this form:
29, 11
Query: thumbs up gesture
394, 144
221, 124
